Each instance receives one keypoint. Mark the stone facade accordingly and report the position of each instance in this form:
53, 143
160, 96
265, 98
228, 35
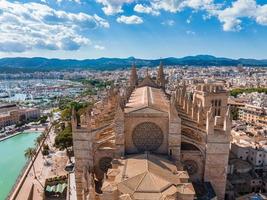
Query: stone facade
191, 129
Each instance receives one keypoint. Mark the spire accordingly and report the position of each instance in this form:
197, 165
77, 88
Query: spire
160, 77
210, 121
227, 126
189, 105
133, 76
173, 110
194, 111
74, 121
200, 114
88, 118
119, 109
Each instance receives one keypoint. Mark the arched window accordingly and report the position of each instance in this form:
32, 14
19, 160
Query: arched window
170, 153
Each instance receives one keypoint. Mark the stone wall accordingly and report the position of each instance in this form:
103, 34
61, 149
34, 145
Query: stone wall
83, 157
197, 157
217, 153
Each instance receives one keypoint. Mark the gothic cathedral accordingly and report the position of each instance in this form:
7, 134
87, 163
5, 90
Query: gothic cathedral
143, 143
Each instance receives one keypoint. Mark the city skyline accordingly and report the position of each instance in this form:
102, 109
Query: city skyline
144, 29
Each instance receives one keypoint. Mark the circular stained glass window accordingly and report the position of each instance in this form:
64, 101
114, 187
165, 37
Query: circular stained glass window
147, 136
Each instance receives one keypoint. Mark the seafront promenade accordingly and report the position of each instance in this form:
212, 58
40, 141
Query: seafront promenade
13, 159
31, 188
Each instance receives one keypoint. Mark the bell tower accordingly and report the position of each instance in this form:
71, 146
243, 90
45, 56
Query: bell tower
133, 77
213, 99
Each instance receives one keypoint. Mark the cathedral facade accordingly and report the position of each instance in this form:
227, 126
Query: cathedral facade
143, 143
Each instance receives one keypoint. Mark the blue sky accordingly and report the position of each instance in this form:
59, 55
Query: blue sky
141, 28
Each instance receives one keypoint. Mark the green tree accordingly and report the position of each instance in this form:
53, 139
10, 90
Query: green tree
29, 154
63, 140
39, 139
45, 150
66, 114
43, 119
78, 106
238, 91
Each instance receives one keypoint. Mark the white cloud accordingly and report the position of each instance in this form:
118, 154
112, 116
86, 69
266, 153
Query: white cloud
32, 25
99, 47
168, 22
145, 9
77, 1
130, 19
178, 5
112, 7
231, 16
102, 22
261, 17
199, 4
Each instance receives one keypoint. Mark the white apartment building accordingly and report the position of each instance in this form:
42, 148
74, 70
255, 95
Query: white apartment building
241, 150
256, 156
30, 113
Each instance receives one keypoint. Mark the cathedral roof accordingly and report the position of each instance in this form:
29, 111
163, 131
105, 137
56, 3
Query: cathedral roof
149, 177
147, 97
148, 82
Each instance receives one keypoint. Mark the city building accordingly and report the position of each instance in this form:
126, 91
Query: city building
5, 108
253, 114
10, 114
247, 170
29, 113
10, 118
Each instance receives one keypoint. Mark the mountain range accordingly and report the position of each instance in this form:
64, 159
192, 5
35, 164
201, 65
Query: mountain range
23, 64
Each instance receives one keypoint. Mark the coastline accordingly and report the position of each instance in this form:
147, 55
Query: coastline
28, 166
21, 179
26, 139
10, 136
26, 130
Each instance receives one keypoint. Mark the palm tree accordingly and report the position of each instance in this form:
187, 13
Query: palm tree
38, 140
50, 116
29, 154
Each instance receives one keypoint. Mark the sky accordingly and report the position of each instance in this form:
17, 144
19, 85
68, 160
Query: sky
80, 29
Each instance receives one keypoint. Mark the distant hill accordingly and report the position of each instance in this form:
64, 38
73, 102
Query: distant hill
44, 64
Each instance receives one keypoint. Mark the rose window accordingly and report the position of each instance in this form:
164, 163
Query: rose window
147, 136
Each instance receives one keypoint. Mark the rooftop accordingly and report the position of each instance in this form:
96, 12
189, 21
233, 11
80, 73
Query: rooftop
7, 105
147, 176
147, 97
